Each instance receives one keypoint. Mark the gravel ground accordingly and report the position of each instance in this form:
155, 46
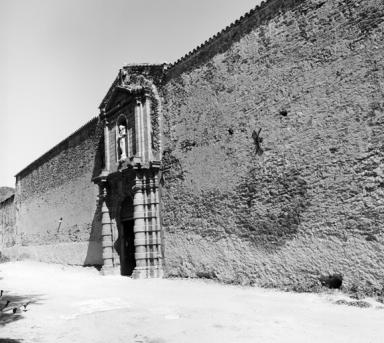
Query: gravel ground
74, 304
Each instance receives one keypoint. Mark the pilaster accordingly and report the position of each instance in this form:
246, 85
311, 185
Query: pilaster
139, 228
148, 128
106, 143
146, 229
139, 127
106, 233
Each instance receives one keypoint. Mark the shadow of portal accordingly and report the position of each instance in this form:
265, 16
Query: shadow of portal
94, 255
94, 251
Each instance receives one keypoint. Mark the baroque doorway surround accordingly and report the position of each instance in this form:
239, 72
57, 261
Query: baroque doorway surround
129, 195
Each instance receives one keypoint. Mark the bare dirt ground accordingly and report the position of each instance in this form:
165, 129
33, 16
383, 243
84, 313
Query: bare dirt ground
74, 304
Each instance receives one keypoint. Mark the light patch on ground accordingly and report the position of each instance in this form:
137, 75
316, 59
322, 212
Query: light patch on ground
97, 305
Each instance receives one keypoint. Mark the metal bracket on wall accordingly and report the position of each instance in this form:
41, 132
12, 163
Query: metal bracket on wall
257, 140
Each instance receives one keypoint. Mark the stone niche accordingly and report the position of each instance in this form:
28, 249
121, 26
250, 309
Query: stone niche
129, 181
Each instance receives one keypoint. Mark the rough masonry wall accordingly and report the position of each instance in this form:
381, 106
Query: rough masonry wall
312, 78
7, 223
56, 202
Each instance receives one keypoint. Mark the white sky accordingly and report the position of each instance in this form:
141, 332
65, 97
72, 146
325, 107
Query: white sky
59, 57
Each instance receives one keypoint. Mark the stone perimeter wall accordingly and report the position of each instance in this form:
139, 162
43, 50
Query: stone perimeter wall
310, 74
56, 202
7, 223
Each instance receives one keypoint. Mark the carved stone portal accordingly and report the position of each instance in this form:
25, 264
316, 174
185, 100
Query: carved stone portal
133, 175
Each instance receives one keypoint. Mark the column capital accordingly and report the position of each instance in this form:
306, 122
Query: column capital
142, 96
138, 186
102, 114
138, 99
147, 93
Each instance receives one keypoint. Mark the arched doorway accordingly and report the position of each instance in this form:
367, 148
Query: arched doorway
127, 256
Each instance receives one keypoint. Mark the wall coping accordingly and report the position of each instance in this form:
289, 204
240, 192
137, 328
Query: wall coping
6, 200
53, 151
261, 13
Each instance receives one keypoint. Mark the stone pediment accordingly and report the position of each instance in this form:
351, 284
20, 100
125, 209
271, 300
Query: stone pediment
133, 79
130, 113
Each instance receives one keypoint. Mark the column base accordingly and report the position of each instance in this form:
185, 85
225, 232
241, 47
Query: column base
147, 272
110, 270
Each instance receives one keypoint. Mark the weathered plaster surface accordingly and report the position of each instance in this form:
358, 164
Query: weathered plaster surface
312, 79
56, 202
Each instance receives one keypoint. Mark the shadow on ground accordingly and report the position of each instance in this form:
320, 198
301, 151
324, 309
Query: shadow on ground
12, 308
10, 340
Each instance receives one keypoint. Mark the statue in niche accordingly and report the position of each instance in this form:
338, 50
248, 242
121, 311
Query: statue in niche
122, 142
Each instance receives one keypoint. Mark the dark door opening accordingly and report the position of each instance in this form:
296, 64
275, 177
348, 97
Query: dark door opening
129, 261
